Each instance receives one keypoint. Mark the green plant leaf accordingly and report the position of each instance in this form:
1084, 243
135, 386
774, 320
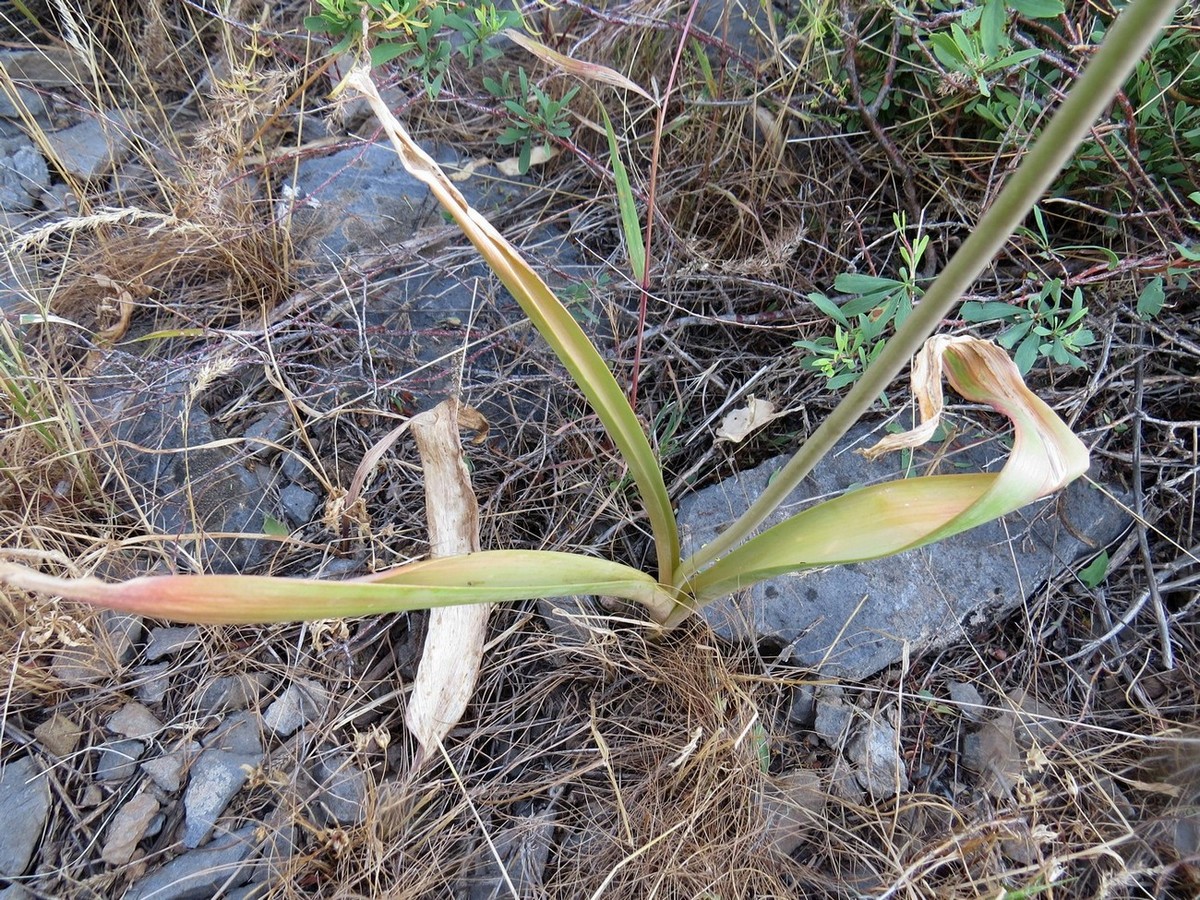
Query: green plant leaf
992, 26
889, 518
988, 311
1038, 9
489, 577
1094, 573
854, 283
553, 321
1150, 301
631, 226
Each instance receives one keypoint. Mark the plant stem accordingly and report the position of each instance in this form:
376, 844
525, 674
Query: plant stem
1126, 41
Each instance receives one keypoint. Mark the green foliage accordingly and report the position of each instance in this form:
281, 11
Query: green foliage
534, 114
875, 304
986, 73
1046, 326
1150, 301
417, 33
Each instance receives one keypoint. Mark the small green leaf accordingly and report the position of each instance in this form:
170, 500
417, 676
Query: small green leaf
273, 527
1150, 301
1094, 573
631, 226
853, 283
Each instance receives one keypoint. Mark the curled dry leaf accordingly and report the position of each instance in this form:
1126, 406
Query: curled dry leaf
741, 423
453, 651
576, 67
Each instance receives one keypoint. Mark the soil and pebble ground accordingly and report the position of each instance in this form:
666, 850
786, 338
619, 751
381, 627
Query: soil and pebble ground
220, 290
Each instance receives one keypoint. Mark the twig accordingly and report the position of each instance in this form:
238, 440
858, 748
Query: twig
1139, 508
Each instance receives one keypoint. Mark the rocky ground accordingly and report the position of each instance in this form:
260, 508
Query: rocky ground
216, 300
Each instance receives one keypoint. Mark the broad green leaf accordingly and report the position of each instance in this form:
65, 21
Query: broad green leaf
901, 515
1038, 9
992, 27
631, 226
988, 311
1094, 573
552, 320
854, 283
830, 308
488, 577
1150, 301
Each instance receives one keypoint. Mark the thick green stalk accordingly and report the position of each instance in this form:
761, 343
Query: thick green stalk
1127, 40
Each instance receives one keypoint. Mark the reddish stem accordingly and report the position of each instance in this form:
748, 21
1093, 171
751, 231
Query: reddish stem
644, 295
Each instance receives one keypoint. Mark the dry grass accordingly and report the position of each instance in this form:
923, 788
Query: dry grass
606, 766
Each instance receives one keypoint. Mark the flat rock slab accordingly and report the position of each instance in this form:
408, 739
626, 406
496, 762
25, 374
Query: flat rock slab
198, 874
851, 621
24, 808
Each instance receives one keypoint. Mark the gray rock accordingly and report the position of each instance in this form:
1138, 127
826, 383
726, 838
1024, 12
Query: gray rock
240, 733
739, 23
45, 67
170, 640
343, 789
24, 175
302, 702
833, 715
127, 828
166, 771
122, 632
804, 705
151, 682
27, 102
94, 146
191, 484
298, 504
24, 808
851, 621
878, 767
214, 780
134, 721
199, 874
968, 699
271, 428
15, 891
118, 761
232, 692
360, 202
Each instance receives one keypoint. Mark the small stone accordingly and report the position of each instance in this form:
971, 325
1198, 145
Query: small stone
166, 771
58, 735
343, 788
968, 699
45, 67
879, 767
304, 701
91, 148
240, 733
151, 682
266, 430
24, 175
804, 705
24, 808
233, 692
127, 828
168, 641
118, 760
122, 631
27, 101
133, 720
298, 504
198, 874
214, 780
793, 805
833, 715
